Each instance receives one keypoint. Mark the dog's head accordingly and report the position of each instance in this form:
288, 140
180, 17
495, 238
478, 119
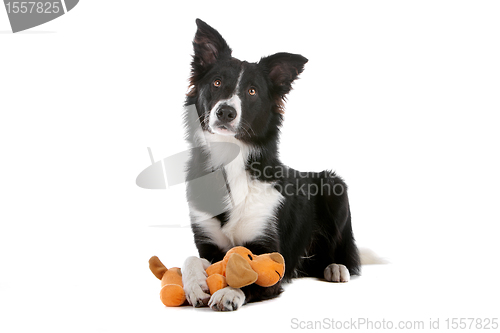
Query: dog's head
237, 98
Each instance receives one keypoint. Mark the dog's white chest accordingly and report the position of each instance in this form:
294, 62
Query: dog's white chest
252, 205
254, 210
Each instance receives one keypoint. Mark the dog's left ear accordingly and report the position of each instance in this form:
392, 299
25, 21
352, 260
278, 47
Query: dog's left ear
282, 69
208, 45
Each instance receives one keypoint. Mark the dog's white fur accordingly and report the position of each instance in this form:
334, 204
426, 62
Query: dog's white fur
235, 102
336, 273
227, 299
252, 204
194, 279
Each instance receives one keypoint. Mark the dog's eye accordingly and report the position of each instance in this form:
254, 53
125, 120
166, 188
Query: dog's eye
217, 83
252, 91
249, 256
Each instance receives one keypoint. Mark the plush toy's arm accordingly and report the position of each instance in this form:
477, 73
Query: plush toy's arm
216, 279
216, 268
216, 282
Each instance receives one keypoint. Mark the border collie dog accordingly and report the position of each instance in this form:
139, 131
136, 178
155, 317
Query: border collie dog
267, 206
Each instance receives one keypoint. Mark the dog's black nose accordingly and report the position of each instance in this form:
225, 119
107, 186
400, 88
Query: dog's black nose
226, 114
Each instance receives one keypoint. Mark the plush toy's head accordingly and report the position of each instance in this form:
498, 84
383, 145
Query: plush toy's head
241, 268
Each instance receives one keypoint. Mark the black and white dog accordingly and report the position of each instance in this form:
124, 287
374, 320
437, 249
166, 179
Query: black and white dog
269, 206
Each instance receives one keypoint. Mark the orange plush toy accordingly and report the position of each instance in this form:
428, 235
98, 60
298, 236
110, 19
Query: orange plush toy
239, 268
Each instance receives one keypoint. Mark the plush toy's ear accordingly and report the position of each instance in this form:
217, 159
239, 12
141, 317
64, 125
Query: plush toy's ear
282, 69
208, 46
239, 273
156, 266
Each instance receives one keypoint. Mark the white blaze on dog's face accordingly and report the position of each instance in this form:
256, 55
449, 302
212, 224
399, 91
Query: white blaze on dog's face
237, 98
225, 115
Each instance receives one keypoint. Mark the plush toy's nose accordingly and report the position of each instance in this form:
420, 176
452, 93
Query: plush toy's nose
277, 257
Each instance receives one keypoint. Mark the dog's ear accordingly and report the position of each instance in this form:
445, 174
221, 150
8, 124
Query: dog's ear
208, 46
282, 69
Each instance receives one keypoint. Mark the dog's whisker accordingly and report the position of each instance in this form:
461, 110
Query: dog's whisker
243, 127
246, 127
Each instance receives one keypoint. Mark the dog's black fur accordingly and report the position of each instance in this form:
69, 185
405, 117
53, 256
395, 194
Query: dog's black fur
312, 231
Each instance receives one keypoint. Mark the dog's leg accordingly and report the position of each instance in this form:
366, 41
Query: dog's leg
227, 299
194, 279
336, 256
336, 273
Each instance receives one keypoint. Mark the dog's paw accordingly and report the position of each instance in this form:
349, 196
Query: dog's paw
227, 299
197, 294
336, 273
194, 279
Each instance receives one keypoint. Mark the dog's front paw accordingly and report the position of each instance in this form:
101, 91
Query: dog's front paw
336, 273
227, 299
194, 279
197, 294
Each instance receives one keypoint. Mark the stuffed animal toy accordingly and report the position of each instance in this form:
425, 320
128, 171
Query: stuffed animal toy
239, 268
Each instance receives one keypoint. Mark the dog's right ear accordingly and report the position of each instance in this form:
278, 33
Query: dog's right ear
283, 68
208, 46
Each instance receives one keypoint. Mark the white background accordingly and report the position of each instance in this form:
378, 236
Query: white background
400, 98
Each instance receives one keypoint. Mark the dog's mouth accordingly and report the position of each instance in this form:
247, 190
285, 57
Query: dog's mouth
223, 129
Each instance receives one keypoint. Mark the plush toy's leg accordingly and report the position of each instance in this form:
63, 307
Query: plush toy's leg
172, 290
216, 282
